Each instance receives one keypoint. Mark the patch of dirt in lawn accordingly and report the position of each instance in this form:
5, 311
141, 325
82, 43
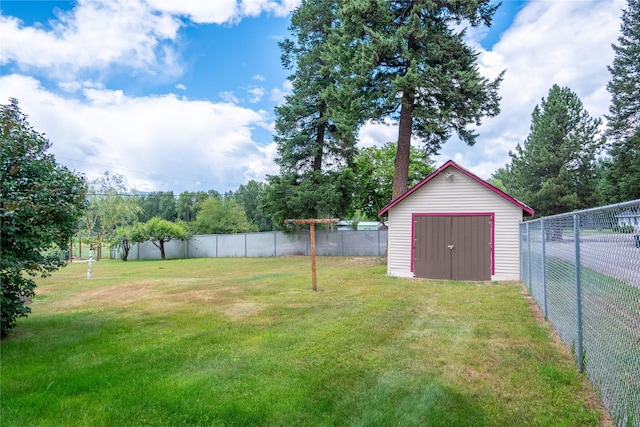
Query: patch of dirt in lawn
372, 260
243, 309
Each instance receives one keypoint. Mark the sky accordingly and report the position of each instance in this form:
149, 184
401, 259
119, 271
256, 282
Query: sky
180, 95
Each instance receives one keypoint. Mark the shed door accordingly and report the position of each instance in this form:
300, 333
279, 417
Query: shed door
453, 247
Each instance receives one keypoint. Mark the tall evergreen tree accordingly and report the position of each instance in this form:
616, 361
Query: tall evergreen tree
315, 150
621, 179
555, 170
402, 60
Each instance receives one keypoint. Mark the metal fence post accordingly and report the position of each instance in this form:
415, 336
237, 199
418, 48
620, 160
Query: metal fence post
544, 270
529, 257
579, 350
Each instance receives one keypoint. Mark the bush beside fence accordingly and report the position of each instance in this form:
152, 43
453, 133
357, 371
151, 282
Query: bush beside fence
583, 270
269, 244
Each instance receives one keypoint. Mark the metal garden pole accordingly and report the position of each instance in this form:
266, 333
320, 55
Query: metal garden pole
544, 270
576, 234
529, 257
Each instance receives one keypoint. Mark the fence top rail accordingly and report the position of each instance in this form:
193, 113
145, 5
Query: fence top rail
622, 205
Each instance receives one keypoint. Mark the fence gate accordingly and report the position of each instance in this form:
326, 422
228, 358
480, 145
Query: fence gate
452, 247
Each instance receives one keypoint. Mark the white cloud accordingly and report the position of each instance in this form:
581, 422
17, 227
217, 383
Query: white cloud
181, 86
278, 94
95, 35
223, 11
259, 77
158, 142
213, 12
255, 94
229, 96
377, 134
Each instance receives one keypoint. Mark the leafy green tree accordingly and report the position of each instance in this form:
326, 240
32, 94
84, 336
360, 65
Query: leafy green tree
158, 231
374, 176
122, 240
189, 203
248, 196
158, 204
405, 62
167, 206
110, 206
621, 180
315, 147
40, 204
222, 217
556, 169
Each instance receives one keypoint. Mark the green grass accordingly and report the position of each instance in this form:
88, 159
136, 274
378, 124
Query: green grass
611, 337
245, 342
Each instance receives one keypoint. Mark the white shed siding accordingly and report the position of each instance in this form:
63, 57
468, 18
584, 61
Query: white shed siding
460, 195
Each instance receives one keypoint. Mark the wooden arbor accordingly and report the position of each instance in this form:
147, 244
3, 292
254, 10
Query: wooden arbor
312, 234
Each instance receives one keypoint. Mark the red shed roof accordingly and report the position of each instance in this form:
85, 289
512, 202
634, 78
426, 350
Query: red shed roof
525, 208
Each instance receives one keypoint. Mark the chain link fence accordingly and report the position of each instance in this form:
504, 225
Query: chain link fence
583, 270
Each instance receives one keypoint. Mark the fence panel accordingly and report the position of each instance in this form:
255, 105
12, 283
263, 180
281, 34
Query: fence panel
232, 245
328, 242
261, 244
583, 269
292, 244
364, 243
202, 246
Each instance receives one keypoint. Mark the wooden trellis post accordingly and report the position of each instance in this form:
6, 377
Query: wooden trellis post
312, 235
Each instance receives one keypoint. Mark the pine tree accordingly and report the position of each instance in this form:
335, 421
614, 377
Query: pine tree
402, 61
315, 150
555, 170
621, 181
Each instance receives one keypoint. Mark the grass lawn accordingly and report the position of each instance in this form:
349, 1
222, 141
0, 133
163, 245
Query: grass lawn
245, 342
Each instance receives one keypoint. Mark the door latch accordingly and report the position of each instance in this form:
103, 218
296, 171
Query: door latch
450, 247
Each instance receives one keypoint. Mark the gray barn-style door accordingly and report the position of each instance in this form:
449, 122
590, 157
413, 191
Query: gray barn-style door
452, 247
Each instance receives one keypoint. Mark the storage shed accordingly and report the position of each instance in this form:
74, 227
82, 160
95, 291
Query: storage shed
454, 225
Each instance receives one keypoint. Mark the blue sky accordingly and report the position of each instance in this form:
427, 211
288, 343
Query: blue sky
180, 95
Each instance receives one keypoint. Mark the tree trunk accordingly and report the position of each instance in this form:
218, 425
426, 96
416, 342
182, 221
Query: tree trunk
317, 161
401, 163
162, 249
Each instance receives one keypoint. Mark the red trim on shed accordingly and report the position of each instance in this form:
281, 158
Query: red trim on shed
496, 190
